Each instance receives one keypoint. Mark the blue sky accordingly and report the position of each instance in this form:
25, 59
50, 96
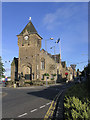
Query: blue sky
69, 21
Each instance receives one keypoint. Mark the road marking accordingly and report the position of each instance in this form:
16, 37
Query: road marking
22, 115
42, 106
33, 110
52, 106
48, 103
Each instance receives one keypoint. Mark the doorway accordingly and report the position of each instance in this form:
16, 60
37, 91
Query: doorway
28, 73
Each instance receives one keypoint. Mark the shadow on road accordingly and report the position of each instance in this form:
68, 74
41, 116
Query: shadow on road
47, 93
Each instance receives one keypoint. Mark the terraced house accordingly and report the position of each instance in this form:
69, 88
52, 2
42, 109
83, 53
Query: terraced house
34, 63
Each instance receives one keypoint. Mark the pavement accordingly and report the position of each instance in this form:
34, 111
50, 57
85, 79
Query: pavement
56, 110
31, 102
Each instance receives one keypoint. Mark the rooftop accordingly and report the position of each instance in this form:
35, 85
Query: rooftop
30, 28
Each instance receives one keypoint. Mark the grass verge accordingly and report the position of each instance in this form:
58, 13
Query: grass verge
77, 103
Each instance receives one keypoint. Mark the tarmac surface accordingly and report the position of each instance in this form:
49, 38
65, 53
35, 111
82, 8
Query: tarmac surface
31, 102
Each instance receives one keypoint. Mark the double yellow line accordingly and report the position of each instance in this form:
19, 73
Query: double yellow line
51, 109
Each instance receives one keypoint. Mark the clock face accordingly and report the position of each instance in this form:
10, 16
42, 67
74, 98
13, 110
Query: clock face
26, 37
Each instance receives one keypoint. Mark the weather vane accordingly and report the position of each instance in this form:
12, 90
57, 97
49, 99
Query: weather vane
29, 18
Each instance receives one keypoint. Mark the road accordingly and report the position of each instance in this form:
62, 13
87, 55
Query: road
28, 102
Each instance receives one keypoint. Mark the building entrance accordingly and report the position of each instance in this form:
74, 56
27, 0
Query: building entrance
28, 73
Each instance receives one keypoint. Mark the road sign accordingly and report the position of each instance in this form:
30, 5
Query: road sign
73, 66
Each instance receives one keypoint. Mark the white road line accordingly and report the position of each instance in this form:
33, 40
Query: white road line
22, 115
48, 103
33, 110
42, 106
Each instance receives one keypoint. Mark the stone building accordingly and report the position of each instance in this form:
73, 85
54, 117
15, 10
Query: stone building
33, 63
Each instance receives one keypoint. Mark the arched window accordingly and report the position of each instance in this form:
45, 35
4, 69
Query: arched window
42, 64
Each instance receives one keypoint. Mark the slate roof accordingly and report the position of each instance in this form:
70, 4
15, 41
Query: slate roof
53, 56
30, 28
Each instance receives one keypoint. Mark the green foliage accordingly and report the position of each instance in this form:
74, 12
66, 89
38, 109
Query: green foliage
51, 82
88, 82
46, 74
77, 103
2, 70
87, 75
3, 76
9, 82
29, 82
38, 83
52, 78
54, 74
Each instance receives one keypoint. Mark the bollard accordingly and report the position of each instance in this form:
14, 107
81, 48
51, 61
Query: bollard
14, 85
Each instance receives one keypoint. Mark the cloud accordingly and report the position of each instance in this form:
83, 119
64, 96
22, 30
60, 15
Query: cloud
63, 15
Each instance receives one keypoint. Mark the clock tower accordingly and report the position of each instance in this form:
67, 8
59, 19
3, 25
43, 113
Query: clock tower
29, 43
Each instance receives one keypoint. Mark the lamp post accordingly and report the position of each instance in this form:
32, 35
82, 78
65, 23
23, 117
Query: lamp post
55, 59
58, 41
46, 55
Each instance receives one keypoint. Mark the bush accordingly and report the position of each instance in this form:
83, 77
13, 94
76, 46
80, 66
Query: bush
52, 78
9, 82
77, 103
29, 82
38, 83
76, 109
54, 74
51, 82
46, 74
88, 83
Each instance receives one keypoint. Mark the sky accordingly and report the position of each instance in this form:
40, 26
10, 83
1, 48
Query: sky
67, 21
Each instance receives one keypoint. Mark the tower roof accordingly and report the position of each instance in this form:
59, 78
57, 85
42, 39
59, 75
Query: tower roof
30, 28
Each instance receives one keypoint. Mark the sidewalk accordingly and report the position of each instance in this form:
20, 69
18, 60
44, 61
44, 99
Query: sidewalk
56, 110
31, 87
59, 110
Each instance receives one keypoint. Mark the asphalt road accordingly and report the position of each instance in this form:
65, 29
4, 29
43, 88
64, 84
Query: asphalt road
28, 102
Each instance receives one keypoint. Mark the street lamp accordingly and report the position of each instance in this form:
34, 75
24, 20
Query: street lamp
46, 53
55, 58
58, 41
46, 43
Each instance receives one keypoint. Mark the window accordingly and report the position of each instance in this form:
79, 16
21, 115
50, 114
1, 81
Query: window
33, 76
37, 76
37, 67
51, 76
38, 42
42, 77
43, 64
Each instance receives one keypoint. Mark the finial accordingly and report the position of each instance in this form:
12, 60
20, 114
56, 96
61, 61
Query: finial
29, 18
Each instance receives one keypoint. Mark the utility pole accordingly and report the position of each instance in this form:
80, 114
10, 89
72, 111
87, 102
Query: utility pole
46, 58
60, 50
55, 60
46, 55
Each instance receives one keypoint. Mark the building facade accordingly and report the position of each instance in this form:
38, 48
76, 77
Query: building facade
33, 63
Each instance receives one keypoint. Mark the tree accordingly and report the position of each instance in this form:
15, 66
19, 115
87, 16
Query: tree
86, 73
2, 70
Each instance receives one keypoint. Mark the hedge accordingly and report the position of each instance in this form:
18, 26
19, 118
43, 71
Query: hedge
77, 103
